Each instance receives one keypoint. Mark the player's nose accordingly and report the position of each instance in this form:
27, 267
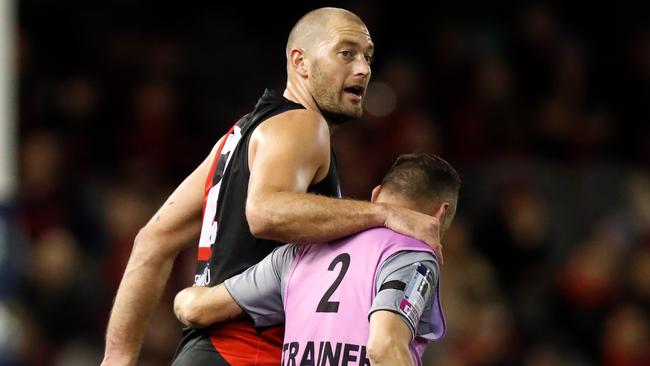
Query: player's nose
361, 67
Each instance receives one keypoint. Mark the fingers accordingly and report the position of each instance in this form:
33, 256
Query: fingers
420, 226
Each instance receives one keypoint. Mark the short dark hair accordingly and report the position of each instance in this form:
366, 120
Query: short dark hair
421, 176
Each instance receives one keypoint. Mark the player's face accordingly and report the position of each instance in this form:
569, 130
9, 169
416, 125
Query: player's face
340, 71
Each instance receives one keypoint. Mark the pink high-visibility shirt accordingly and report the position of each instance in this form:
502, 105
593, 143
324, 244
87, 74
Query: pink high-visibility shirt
329, 290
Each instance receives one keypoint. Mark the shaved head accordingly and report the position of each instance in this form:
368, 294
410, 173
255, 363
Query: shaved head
313, 27
329, 51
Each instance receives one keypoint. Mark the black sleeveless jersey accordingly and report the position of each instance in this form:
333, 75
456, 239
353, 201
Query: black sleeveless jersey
226, 245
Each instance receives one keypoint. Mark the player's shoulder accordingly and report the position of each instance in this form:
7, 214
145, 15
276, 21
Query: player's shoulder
303, 116
302, 121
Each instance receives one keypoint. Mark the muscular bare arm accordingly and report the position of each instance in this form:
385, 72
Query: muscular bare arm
288, 153
388, 342
170, 230
198, 307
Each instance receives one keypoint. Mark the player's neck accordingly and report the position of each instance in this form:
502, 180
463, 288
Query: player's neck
298, 93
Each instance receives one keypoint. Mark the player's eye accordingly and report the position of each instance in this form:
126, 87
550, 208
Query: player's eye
346, 53
369, 59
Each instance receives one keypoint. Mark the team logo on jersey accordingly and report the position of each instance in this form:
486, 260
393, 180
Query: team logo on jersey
203, 279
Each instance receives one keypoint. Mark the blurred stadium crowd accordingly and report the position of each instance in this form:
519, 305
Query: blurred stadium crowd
543, 108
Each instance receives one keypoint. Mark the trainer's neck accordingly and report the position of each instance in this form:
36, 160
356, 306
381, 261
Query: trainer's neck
393, 199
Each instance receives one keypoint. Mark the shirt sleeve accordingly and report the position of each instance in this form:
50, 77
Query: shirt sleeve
258, 290
407, 285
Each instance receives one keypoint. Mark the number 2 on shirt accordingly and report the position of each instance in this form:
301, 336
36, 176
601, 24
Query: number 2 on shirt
324, 305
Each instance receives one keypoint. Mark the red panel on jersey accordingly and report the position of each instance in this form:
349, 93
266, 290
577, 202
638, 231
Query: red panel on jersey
204, 253
208, 182
243, 345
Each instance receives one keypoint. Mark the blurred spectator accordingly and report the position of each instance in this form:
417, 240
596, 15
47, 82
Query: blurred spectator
626, 337
60, 295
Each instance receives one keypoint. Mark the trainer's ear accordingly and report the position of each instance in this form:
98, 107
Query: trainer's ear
375, 193
298, 61
442, 210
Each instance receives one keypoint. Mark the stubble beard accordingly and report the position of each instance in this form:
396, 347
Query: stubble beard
328, 98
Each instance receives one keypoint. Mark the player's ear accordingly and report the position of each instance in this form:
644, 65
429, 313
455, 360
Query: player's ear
298, 61
375, 193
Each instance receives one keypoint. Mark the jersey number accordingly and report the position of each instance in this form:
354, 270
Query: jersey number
326, 306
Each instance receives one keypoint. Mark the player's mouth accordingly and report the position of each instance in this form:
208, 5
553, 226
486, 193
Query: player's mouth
355, 92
